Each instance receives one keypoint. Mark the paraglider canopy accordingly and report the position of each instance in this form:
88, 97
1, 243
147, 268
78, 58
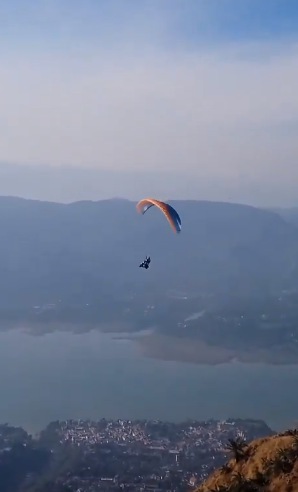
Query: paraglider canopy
170, 213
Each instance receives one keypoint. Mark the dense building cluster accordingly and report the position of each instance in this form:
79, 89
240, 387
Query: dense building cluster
143, 455
117, 456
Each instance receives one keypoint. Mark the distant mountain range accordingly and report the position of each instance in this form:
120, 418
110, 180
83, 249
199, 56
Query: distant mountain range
88, 250
289, 214
67, 184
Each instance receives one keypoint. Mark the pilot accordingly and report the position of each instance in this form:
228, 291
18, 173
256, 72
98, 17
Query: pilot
145, 263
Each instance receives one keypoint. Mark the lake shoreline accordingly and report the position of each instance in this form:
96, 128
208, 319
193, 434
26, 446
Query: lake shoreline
191, 351
90, 375
155, 345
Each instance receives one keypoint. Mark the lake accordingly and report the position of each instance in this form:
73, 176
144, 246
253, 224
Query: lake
91, 375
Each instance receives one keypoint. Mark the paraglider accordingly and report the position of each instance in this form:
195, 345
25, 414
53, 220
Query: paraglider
169, 212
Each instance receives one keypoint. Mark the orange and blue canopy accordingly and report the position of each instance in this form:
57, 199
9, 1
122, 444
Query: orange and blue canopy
170, 213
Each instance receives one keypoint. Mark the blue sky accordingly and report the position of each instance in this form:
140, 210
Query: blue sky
188, 23
205, 88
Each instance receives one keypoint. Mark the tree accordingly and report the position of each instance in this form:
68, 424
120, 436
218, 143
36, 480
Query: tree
260, 479
220, 488
226, 468
237, 448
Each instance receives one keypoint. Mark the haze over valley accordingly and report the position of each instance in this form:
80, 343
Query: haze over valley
228, 282
148, 246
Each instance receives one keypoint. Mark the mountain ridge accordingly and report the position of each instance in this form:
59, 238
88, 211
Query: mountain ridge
267, 464
51, 249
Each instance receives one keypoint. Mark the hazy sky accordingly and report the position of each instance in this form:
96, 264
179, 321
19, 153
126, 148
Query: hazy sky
205, 89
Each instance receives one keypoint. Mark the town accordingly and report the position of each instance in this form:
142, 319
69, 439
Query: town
148, 456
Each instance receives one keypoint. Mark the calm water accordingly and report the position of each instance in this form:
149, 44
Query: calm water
62, 375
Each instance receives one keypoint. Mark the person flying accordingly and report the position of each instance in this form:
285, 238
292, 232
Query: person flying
145, 264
